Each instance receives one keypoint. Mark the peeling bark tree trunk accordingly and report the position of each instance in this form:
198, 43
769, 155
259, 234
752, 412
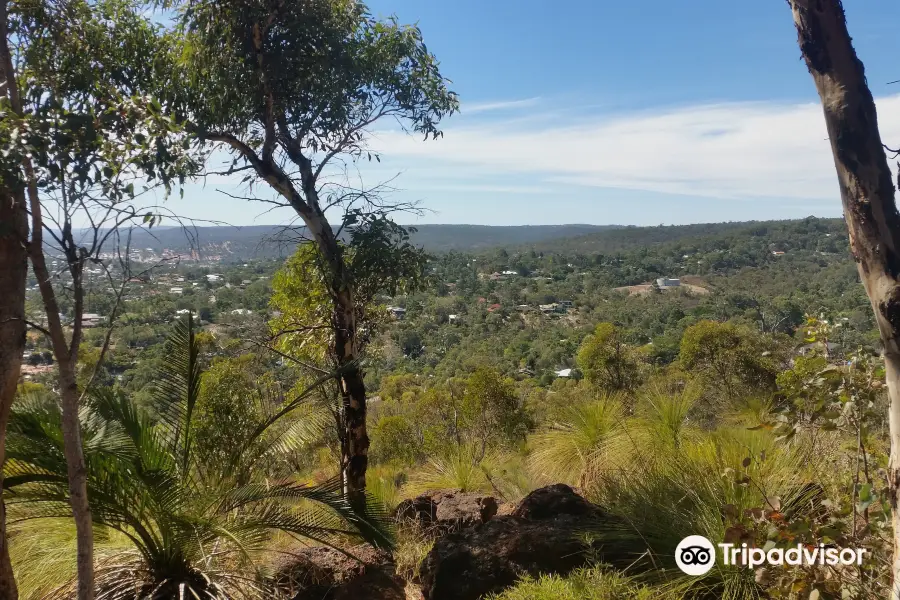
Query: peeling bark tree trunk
867, 193
355, 440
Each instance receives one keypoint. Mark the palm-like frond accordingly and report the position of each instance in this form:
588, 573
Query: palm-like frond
189, 530
177, 388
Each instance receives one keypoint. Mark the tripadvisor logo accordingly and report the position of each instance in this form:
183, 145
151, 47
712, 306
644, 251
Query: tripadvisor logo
696, 555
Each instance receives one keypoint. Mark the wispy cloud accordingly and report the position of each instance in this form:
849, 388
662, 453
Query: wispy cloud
725, 150
468, 109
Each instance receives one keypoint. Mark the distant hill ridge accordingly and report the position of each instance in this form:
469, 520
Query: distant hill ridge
267, 241
270, 241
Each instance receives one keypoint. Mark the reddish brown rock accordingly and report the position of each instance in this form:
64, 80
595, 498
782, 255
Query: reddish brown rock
446, 511
545, 534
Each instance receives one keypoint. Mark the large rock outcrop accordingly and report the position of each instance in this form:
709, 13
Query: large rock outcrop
447, 511
322, 573
545, 534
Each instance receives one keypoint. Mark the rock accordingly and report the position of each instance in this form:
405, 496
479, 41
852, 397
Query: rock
543, 535
446, 511
322, 573
554, 500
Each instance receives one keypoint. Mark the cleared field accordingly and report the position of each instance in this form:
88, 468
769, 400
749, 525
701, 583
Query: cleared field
646, 288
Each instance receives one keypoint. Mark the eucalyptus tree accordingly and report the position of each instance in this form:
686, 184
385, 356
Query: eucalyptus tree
78, 134
292, 90
867, 194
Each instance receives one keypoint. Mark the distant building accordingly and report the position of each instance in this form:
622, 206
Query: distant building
241, 311
555, 307
453, 319
510, 273
90, 320
493, 307
564, 373
665, 282
565, 303
176, 290
213, 278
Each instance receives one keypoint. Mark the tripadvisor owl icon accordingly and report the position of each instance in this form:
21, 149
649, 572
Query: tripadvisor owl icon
695, 555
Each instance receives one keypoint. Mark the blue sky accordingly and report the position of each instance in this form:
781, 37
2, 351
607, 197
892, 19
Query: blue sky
620, 112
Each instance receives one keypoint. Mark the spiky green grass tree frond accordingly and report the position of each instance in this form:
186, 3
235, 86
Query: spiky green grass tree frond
465, 469
663, 494
584, 438
190, 532
666, 413
584, 584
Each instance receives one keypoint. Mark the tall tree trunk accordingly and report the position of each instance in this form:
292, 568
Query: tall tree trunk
353, 395
867, 192
13, 272
67, 359
66, 354
347, 347
347, 353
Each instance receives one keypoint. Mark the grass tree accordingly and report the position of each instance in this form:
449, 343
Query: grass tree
77, 134
292, 90
194, 520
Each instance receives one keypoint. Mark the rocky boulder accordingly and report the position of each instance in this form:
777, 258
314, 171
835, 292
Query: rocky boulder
445, 511
543, 535
322, 573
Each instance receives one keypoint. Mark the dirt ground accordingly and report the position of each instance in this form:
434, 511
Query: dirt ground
646, 288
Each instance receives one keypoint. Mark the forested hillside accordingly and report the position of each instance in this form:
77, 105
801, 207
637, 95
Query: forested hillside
349, 408
550, 343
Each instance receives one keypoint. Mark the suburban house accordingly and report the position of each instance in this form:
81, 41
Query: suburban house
549, 309
665, 282
90, 320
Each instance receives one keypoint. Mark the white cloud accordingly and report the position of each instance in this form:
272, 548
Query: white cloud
468, 109
728, 150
